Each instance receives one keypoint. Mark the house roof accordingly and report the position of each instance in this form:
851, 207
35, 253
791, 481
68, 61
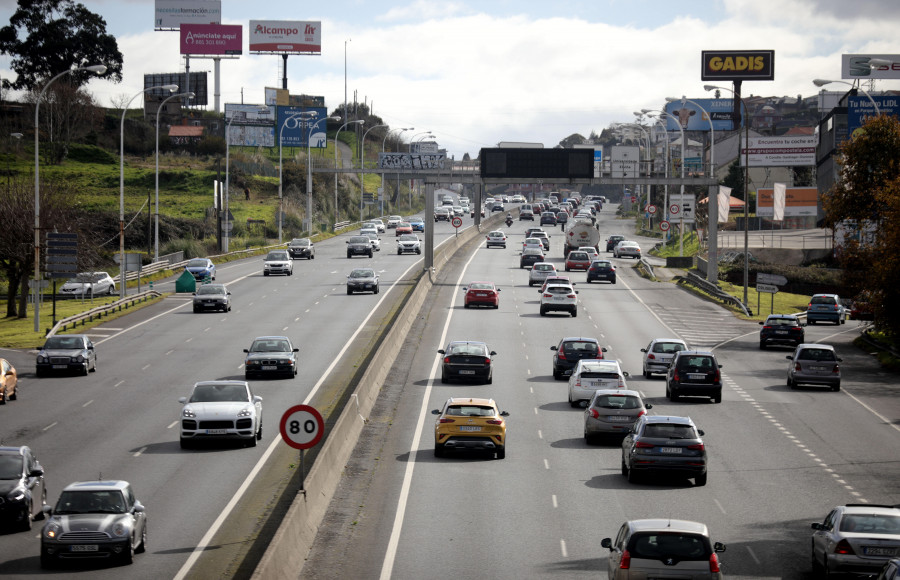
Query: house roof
185, 131
801, 131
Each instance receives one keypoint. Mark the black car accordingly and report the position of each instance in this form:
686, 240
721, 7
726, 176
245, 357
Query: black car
611, 242
66, 352
694, 373
22, 492
362, 280
270, 355
572, 349
302, 248
359, 246
212, 297
548, 218
601, 270
781, 329
467, 360
664, 445
530, 256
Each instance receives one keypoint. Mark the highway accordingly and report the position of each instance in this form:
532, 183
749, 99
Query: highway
779, 459
122, 421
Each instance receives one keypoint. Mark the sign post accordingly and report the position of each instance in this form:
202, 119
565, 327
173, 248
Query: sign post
768, 283
456, 222
302, 427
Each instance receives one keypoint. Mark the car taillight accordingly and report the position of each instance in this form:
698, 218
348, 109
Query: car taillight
446, 359
836, 307
844, 547
651, 356
487, 361
809, 306
447, 421
494, 422
570, 296
621, 383
644, 445
625, 562
718, 376
714, 563
547, 295
767, 328
696, 447
836, 370
643, 412
797, 367
561, 355
675, 376
595, 414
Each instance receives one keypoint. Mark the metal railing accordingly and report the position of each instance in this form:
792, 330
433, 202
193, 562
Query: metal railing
101, 311
713, 289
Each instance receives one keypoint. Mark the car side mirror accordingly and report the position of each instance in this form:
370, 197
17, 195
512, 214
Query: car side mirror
643, 350
504, 413
789, 357
193, 293
700, 432
347, 242
625, 373
440, 350
138, 507
584, 404
817, 526
720, 366
246, 350
48, 510
257, 399
576, 292
465, 289
36, 472
648, 406
839, 359
493, 353
296, 350
761, 322
606, 543
435, 411
603, 349
719, 547
182, 400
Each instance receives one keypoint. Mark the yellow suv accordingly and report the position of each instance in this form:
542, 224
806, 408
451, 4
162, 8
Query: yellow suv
466, 423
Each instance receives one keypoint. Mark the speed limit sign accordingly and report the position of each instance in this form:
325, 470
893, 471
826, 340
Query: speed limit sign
651, 209
674, 209
302, 426
664, 226
456, 222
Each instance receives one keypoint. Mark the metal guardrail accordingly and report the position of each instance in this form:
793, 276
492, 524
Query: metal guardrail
648, 266
715, 291
101, 311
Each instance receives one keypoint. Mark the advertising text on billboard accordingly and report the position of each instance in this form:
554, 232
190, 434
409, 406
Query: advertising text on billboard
783, 151
171, 14
691, 118
737, 65
211, 39
798, 201
286, 36
859, 108
294, 130
858, 66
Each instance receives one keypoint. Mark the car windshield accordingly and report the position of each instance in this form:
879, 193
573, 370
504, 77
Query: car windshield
668, 347
270, 345
782, 322
197, 264
372, 236
544, 268
359, 240
822, 300
277, 256
600, 265
559, 290
90, 502
300, 242
211, 289
467, 350
481, 286
11, 466
578, 256
699, 363
362, 274
617, 402
394, 218
669, 431
218, 393
580, 347
661, 546
404, 225
871, 523
470, 411
818, 354
597, 375
64, 342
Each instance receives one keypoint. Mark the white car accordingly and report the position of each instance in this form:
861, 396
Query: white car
496, 238
458, 211
591, 375
539, 273
278, 262
393, 221
627, 248
535, 243
557, 297
368, 229
89, 284
376, 241
220, 410
409, 243
379, 225
659, 353
591, 251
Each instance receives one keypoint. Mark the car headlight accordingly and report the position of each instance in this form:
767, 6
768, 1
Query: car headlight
188, 412
119, 530
250, 363
79, 358
51, 531
245, 412
16, 495
41, 358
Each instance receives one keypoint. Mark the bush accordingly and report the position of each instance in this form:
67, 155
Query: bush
91, 154
191, 248
801, 279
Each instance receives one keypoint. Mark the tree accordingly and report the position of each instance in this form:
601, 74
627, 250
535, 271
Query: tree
735, 179
866, 198
58, 35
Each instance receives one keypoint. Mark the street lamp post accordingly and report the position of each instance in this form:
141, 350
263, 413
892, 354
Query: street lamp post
645, 134
402, 130
309, 190
823, 82
189, 95
362, 157
96, 68
16, 136
356, 122
307, 115
122, 265
681, 130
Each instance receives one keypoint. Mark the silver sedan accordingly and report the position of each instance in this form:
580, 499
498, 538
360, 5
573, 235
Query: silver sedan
612, 412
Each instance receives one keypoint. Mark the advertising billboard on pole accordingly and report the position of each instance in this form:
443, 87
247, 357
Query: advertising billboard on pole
294, 130
860, 107
859, 66
286, 37
798, 201
783, 151
211, 39
171, 14
249, 125
692, 118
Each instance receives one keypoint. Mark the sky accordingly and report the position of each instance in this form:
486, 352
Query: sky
478, 72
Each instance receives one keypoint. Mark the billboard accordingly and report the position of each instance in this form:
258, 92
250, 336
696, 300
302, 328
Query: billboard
277, 97
294, 130
171, 14
211, 39
780, 151
195, 83
798, 201
691, 118
737, 65
857, 66
241, 114
860, 107
251, 135
286, 36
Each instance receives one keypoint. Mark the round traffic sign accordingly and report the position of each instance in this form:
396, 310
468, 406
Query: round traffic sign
456, 222
664, 226
651, 209
633, 199
302, 426
674, 208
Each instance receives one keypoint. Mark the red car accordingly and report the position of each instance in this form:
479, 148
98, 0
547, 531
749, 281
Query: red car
403, 228
578, 261
482, 294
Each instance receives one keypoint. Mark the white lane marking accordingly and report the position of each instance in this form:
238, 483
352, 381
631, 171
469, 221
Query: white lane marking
117, 384
540, 434
546, 464
88, 403
189, 339
752, 555
562, 546
172, 424
284, 328
721, 509
297, 319
553, 499
50, 426
170, 352
145, 367
140, 451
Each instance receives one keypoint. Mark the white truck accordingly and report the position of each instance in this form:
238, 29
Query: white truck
580, 232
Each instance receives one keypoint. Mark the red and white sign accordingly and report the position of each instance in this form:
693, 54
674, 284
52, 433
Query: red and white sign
456, 222
783, 151
633, 199
664, 226
651, 209
286, 36
302, 426
211, 39
674, 208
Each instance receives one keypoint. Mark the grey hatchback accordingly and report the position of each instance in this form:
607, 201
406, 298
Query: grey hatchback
664, 445
814, 364
612, 412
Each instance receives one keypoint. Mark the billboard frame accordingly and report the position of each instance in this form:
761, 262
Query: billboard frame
194, 8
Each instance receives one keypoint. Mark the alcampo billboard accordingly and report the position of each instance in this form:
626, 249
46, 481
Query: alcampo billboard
286, 36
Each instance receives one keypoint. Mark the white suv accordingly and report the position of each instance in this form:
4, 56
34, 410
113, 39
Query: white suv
559, 297
590, 375
409, 243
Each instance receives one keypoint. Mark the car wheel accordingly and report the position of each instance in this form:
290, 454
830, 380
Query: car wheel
717, 398
836, 387
647, 374
110, 291
624, 468
530, 283
438, 450
843, 320
15, 394
259, 433
613, 280
762, 345
26, 522
543, 312
47, 562
633, 476
817, 568
444, 380
251, 442
501, 452
128, 554
399, 252
465, 305
810, 322
85, 370
38, 372
791, 383
376, 290
418, 251
590, 439
567, 268
142, 547
349, 255
700, 480
349, 291
574, 312
3, 398
371, 253
490, 379
184, 443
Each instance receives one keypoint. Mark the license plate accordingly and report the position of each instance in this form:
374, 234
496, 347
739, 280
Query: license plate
781, 332
618, 418
469, 428
481, 294
269, 368
84, 548
558, 298
216, 431
598, 384
670, 449
467, 372
60, 366
818, 368
696, 376
875, 551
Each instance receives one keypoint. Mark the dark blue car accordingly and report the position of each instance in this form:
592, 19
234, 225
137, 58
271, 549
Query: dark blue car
418, 224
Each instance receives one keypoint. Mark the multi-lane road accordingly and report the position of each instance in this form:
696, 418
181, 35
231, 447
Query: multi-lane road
779, 458
122, 421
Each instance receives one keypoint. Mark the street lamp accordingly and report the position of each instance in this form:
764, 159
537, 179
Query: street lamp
645, 134
122, 265
683, 143
96, 68
746, 184
823, 82
303, 115
402, 130
356, 122
189, 95
362, 158
309, 168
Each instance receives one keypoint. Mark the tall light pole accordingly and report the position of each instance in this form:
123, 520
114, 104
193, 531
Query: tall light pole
402, 130
823, 82
645, 134
681, 130
122, 265
411, 139
302, 115
665, 211
98, 69
357, 122
712, 132
362, 161
309, 190
189, 95
746, 183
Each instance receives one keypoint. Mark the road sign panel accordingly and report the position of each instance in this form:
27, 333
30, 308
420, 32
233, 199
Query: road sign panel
61, 236
664, 226
302, 426
778, 280
456, 222
767, 288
